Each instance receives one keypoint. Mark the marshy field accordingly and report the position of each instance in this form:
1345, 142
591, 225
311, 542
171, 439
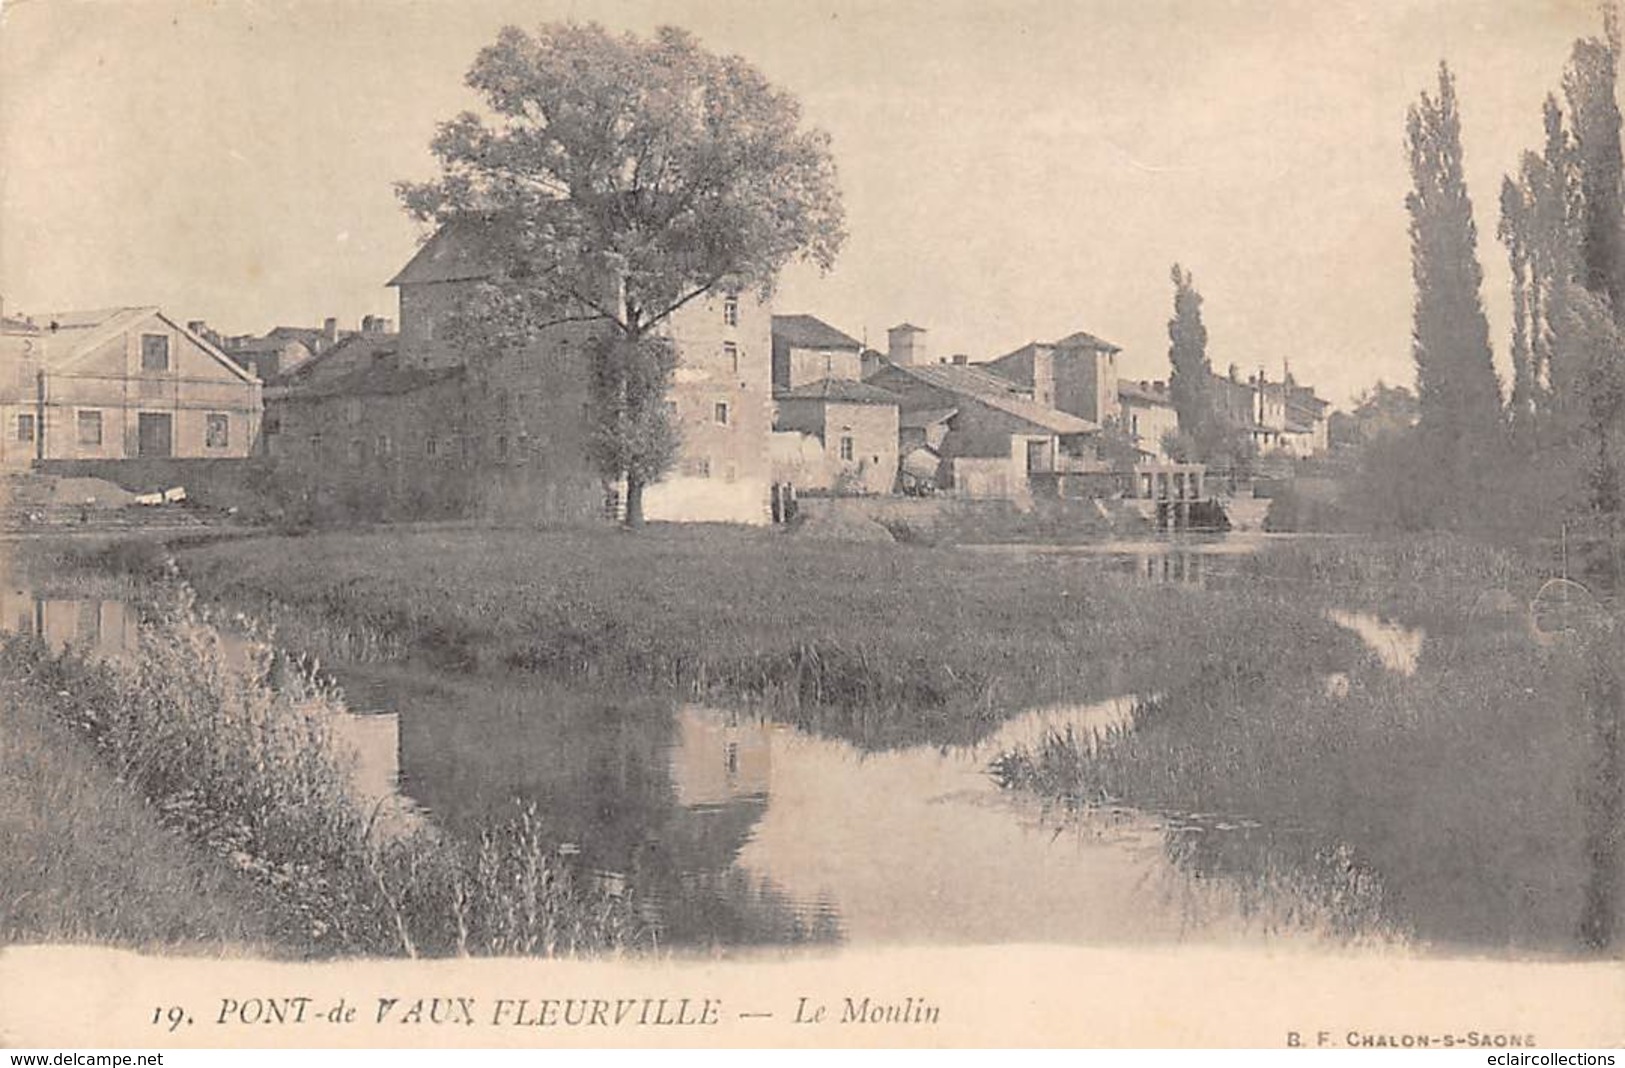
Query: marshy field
699, 738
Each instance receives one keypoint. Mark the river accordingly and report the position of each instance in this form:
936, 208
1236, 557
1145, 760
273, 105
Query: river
737, 829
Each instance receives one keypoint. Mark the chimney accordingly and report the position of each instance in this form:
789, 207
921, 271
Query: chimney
905, 345
1160, 386
197, 326
330, 329
367, 324
960, 359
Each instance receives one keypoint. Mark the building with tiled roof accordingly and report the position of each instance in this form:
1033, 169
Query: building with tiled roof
807, 349
993, 438
504, 431
121, 383
1077, 374
855, 423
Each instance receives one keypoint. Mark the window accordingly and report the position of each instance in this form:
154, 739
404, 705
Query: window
431, 447
25, 428
722, 413
90, 428
352, 411
155, 352
702, 467
216, 430
383, 445
502, 446
730, 311
353, 453
730, 352
846, 448
1134, 426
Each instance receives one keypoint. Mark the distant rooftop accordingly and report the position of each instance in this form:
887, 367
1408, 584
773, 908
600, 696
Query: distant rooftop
996, 392
841, 391
811, 332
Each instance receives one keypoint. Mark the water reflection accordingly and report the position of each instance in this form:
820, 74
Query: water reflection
110, 629
734, 829
739, 829
107, 628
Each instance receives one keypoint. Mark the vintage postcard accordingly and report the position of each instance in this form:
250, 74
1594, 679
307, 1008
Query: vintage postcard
668, 523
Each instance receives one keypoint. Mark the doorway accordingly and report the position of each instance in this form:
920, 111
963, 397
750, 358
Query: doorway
154, 434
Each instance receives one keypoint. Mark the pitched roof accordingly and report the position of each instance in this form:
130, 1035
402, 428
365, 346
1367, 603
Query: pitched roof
353, 353
910, 327
921, 418
363, 365
381, 379
74, 334
1083, 340
811, 332
996, 392
1134, 392
841, 391
459, 251
269, 343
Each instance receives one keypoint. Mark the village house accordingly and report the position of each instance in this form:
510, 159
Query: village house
118, 384
283, 348
347, 418
993, 438
22, 358
856, 426
511, 427
1282, 419
1077, 375
806, 349
1309, 413
1148, 416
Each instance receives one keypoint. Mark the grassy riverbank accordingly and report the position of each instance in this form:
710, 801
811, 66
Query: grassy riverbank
882, 644
1467, 803
87, 858
1474, 802
204, 804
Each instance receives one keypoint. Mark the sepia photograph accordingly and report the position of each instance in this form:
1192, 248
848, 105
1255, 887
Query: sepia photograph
812, 523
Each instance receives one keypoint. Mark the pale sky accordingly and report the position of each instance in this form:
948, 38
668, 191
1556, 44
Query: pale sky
1012, 170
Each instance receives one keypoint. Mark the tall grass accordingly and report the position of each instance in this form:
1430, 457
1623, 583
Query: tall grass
1474, 803
86, 857
883, 645
254, 773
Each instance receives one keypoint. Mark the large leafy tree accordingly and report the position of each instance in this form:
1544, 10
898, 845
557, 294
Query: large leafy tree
621, 178
1457, 389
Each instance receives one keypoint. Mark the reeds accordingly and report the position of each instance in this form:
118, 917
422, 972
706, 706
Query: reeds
1461, 805
251, 770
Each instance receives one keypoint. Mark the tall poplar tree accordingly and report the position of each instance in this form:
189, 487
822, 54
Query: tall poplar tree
1589, 83
1457, 388
1190, 379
